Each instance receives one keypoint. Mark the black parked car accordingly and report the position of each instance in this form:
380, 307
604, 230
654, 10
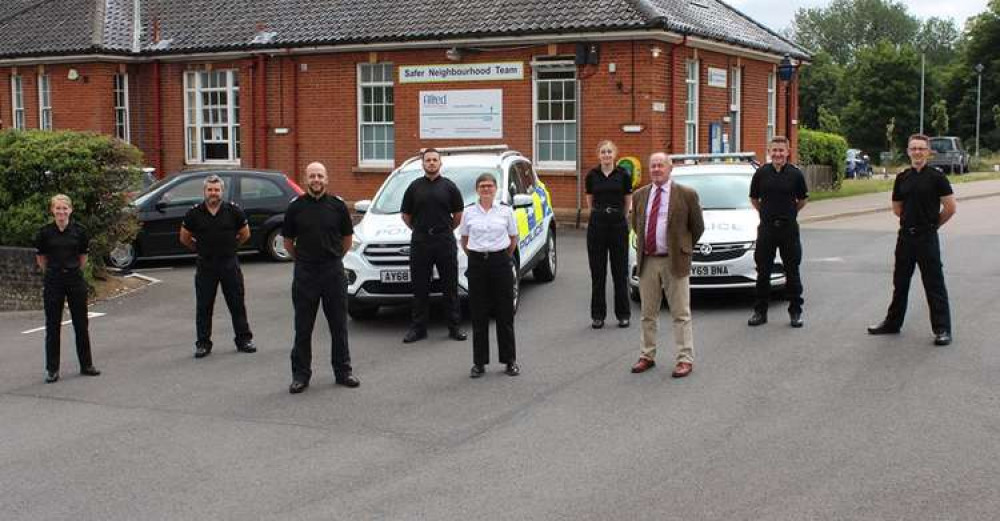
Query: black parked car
263, 195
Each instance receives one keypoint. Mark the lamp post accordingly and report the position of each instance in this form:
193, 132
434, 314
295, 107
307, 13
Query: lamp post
979, 98
923, 56
786, 71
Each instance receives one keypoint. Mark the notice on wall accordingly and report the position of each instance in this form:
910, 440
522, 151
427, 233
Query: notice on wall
461, 72
461, 114
716, 77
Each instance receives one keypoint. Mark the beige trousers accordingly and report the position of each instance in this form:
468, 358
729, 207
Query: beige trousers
655, 280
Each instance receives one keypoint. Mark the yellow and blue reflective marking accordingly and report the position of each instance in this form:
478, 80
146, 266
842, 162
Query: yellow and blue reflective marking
529, 223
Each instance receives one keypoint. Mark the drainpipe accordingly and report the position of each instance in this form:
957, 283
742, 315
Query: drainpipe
295, 119
579, 155
260, 97
158, 121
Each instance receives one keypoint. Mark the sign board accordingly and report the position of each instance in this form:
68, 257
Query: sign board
716, 77
461, 114
461, 72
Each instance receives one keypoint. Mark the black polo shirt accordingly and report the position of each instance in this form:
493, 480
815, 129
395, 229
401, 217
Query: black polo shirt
608, 190
317, 226
920, 191
62, 249
778, 190
215, 235
431, 204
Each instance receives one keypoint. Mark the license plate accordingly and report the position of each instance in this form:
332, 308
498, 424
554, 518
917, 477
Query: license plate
395, 276
709, 271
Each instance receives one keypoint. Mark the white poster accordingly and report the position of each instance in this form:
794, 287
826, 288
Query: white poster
461, 114
716, 77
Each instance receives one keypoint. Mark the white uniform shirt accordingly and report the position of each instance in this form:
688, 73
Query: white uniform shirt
488, 230
661, 225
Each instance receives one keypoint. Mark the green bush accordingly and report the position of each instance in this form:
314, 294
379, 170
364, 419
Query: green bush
92, 169
822, 148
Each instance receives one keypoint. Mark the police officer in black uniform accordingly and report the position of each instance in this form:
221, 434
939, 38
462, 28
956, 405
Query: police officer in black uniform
609, 197
61, 252
778, 191
432, 208
923, 200
317, 232
215, 229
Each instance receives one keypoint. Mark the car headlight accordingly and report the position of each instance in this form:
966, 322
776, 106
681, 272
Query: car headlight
355, 243
352, 277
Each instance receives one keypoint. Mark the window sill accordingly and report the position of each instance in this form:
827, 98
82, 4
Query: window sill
372, 169
555, 172
212, 163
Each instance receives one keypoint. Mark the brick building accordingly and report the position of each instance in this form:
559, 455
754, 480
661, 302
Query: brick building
361, 85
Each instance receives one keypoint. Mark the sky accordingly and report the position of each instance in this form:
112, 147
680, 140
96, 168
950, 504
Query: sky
778, 14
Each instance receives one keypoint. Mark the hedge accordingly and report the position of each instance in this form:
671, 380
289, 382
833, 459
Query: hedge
94, 170
824, 148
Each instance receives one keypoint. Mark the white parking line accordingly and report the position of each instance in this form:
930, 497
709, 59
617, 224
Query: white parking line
90, 314
827, 259
146, 278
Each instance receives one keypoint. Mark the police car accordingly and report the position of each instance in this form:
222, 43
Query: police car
378, 264
723, 257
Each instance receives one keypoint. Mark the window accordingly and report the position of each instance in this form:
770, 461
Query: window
44, 103
555, 116
121, 107
256, 192
691, 114
772, 105
212, 116
735, 108
376, 114
17, 102
190, 192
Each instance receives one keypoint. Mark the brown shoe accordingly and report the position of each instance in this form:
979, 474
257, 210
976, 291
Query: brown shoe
682, 369
643, 365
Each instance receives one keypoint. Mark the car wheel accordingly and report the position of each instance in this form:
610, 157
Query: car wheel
545, 271
275, 246
516, 291
122, 256
359, 311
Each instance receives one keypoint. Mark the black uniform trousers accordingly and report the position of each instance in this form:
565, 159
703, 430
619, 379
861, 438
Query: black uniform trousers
775, 235
312, 284
62, 286
491, 292
426, 252
607, 237
210, 273
919, 248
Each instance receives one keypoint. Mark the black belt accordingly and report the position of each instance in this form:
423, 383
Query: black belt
917, 230
487, 254
780, 222
434, 230
52, 269
608, 209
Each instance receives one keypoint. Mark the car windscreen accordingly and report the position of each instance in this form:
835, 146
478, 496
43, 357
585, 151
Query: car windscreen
719, 191
942, 145
390, 198
147, 193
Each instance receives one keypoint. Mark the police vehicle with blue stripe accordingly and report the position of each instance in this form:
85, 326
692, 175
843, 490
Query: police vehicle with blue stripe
378, 264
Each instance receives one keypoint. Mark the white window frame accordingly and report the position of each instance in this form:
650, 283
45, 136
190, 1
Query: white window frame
17, 102
772, 104
691, 110
388, 123
121, 104
194, 116
44, 102
736, 109
555, 67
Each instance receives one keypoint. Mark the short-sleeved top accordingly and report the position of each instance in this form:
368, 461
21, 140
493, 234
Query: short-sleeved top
215, 235
62, 249
488, 230
318, 227
778, 190
920, 191
608, 190
431, 204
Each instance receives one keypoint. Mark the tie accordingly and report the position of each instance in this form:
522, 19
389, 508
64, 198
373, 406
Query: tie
654, 217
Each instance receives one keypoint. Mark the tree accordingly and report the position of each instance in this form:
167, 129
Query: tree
820, 83
939, 117
887, 90
938, 40
847, 26
828, 121
980, 44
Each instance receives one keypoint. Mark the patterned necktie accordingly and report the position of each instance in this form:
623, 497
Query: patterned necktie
651, 221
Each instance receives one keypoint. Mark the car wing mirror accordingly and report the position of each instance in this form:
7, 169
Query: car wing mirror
523, 201
362, 206
160, 206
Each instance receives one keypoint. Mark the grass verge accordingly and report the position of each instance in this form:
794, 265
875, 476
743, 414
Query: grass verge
852, 187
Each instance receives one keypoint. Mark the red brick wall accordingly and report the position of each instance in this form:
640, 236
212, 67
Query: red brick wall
314, 97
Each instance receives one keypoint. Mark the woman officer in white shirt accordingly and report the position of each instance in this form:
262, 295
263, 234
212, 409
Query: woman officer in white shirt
489, 238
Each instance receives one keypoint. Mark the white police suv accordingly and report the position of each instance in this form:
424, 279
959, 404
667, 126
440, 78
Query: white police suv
723, 257
378, 265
